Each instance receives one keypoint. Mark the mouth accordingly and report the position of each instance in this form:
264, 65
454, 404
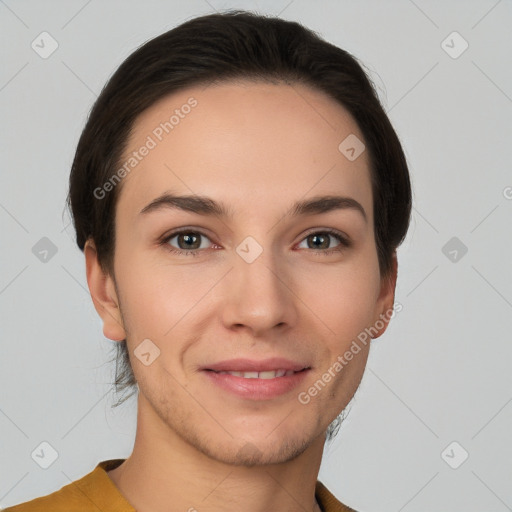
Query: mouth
267, 374
253, 380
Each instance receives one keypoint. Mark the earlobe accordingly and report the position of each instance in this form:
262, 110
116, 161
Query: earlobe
386, 300
103, 294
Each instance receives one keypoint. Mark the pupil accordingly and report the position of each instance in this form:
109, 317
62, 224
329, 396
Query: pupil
189, 238
324, 240
316, 237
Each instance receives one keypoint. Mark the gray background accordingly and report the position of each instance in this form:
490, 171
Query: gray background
441, 373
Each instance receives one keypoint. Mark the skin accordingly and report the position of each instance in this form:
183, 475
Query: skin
258, 148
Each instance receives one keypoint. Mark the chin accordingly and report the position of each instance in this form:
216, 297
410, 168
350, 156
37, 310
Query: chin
249, 454
258, 449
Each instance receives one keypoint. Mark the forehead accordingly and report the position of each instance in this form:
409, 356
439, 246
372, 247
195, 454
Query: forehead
252, 145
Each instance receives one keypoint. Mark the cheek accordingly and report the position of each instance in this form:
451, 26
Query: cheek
160, 297
157, 296
343, 299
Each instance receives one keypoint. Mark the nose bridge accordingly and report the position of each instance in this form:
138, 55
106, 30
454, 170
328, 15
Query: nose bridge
257, 296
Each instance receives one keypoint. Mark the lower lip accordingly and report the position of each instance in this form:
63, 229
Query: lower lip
256, 389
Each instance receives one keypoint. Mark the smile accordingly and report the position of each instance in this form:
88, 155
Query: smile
270, 374
256, 385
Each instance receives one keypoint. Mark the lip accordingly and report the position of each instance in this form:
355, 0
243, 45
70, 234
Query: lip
256, 388
251, 365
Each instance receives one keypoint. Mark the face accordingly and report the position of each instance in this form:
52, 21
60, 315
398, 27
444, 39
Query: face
252, 283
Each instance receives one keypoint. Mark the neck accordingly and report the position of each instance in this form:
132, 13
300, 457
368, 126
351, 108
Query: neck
163, 468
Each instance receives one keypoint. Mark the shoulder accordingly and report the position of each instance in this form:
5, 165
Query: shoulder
94, 491
57, 502
328, 502
68, 498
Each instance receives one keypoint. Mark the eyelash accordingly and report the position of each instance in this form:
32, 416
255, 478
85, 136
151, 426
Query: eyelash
344, 242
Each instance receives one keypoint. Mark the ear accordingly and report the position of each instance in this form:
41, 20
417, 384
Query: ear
103, 294
386, 299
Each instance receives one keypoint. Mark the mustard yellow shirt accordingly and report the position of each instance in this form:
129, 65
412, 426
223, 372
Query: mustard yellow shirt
97, 492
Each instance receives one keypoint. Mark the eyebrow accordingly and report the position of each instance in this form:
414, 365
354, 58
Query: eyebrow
203, 205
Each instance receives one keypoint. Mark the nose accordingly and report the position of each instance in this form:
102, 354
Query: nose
259, 296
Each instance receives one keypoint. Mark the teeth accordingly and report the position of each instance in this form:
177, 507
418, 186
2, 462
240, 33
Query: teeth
270, 374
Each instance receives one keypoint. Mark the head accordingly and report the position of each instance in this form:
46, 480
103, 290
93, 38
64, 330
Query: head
250, 112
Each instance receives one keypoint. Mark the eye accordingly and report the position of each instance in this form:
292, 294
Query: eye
188, 242
321, 239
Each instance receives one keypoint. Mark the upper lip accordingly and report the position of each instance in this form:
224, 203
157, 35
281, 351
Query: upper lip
248, 365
